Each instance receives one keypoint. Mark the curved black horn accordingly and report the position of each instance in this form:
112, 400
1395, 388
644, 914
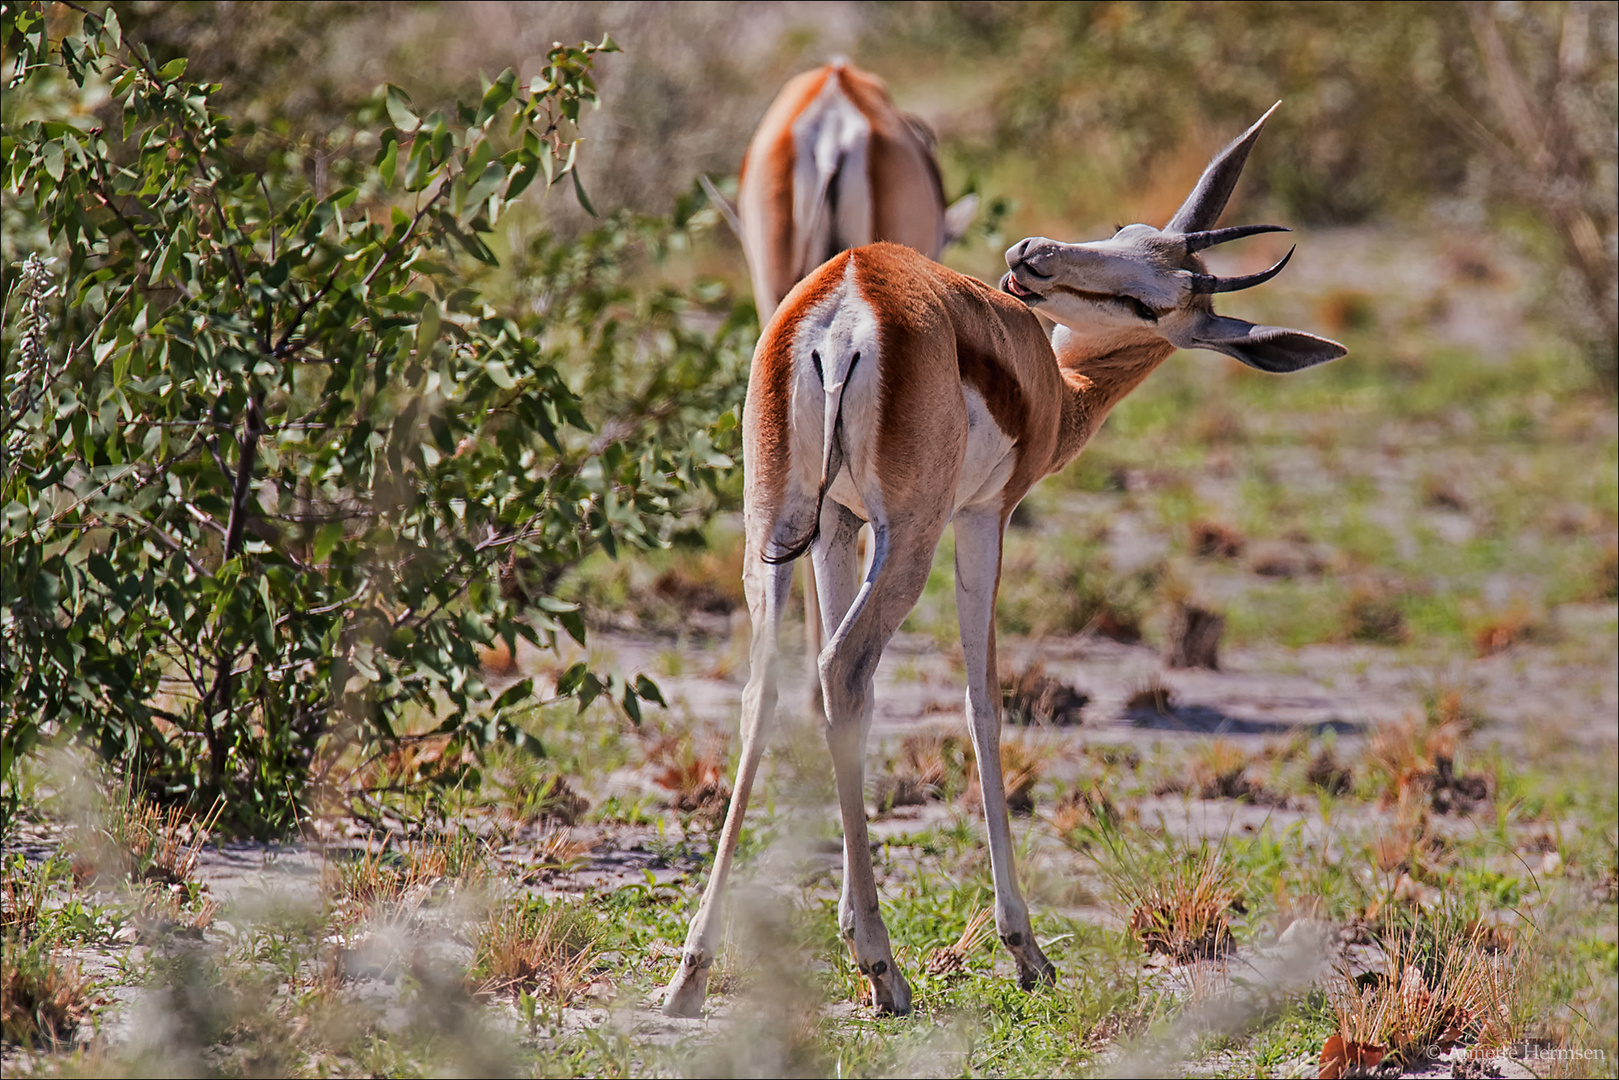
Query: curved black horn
1203, 206
1208, 283
1197, 241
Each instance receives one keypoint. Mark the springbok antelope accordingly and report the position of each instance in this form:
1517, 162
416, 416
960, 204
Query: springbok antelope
834, 165
892, 390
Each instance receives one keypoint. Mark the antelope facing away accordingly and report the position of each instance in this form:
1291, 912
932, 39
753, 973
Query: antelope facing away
834, 165
890, 389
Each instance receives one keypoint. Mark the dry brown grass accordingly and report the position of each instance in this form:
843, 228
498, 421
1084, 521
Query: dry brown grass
42, 996
528, 797
411, 761
22, 891
558, 850
1022, 764
695, 776
1346, 309
387, 879
1442, 493
1193, 637
1606, 586
1151, 696
1080, 812
1032, 696
1325, 774
948, 960
173, 912
1418, 754
1439, 987
1218, 770
1501, 632
1213, 540
1373, 615
929, 765
546, 949
140, 842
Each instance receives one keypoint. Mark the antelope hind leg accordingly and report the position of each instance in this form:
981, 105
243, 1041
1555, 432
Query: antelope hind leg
767, 588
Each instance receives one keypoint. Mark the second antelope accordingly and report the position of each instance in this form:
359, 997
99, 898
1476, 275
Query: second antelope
890, 389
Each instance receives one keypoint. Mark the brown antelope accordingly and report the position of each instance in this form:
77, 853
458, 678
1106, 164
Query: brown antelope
834, 165
891, 390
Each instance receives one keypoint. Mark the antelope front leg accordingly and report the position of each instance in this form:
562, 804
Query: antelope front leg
978, 572
767, 588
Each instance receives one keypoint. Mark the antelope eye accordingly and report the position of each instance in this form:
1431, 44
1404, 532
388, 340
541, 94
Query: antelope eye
1141, 310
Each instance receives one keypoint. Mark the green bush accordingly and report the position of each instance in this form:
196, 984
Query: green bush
274, 468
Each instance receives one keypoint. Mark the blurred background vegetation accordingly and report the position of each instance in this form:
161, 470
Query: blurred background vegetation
1463, 118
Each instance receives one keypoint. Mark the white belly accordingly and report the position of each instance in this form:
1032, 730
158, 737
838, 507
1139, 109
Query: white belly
989, 459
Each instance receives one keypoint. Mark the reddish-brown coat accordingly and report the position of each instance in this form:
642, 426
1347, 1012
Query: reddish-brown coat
941, 330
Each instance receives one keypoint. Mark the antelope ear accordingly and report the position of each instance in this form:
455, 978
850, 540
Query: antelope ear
722, 204
1204, 205
958, 217
1269, 348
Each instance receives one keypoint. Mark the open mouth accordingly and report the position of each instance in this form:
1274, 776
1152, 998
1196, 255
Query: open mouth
1010, 284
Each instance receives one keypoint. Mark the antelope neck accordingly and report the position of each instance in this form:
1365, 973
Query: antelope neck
1096, 376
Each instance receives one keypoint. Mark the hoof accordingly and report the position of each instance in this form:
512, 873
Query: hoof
1031, 977
687, 990
891, 993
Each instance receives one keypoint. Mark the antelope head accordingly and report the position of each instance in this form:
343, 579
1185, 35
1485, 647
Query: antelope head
1144, 283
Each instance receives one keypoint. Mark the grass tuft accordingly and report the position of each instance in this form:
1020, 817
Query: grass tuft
694, 777
42, 996
137, 841
1442, 984
950, 960
532, 946
1152, 696
1179, 896
1031, 696
1373, 616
